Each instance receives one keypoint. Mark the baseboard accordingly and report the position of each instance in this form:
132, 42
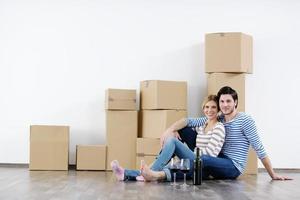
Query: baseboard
285, 170
24, 165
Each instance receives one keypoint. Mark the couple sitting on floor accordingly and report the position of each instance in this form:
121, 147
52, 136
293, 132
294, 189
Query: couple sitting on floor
223, 142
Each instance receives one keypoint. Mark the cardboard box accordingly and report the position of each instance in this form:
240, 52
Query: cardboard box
146, 149
49, 147
156, 94
252, 163
90, 157
120, 99
228, 52
147, 159
155, 122
121, 134
148, 146
215, 81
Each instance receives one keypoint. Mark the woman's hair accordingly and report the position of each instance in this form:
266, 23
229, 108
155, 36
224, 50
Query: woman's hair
211, 97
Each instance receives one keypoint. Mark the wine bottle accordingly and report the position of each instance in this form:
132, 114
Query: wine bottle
197, 179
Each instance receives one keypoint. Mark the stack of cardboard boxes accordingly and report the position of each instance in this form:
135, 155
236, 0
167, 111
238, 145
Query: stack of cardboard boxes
162, 103
121, 127
228, 57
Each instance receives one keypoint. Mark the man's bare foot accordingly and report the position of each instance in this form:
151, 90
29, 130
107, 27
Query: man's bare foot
150, 175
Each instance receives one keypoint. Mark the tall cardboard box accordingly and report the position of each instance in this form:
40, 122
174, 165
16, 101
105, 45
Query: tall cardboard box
252, 163
215, 81
121, 134
157, 94
147, 149
155, 122
120, 99
90, 157
228, 52
49, 147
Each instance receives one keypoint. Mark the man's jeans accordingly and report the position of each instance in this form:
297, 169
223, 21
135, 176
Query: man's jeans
220, 167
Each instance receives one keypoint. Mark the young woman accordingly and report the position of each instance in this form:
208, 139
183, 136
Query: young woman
210, 138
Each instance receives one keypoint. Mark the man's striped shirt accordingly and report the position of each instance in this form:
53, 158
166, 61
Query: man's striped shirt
241, 132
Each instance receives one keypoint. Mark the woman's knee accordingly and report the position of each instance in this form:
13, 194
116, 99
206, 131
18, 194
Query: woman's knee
170, 140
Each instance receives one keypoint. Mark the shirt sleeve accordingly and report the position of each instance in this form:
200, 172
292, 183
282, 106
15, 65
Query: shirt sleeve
196, 122
216, 141
251, 133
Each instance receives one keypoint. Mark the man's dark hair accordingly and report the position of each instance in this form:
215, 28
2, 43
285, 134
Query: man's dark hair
230, 91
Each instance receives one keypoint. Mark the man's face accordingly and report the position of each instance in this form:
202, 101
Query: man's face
227, 104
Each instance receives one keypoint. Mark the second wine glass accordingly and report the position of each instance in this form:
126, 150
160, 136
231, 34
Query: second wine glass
184, 168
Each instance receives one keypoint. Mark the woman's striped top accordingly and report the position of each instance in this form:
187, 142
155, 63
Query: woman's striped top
211, 142
241, 132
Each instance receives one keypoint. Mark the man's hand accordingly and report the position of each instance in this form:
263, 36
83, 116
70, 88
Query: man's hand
281, 178
168, 133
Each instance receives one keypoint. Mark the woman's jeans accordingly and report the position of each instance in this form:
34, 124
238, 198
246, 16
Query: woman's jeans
171, 146
220, 167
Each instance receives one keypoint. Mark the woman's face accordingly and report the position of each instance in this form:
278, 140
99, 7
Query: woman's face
211, 110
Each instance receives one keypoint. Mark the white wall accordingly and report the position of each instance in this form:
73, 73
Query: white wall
58, 57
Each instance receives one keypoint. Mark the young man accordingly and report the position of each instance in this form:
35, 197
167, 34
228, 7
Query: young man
241, 132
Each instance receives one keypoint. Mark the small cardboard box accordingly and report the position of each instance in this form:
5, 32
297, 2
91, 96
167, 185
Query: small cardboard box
228, 52
49, 147
155, 122
120, 99
147, 149
157, 94
121, 134
147, 159
90, 157
215, 81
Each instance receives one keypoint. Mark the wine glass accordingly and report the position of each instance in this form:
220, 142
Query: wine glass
184, 168
174, 167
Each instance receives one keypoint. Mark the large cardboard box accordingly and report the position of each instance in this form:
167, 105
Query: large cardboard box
120, 99
121, 134
157, 94
155, 122
49, 147
228, 52
215, 81
90, 157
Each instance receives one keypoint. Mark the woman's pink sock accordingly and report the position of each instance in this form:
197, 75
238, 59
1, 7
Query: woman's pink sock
118, 170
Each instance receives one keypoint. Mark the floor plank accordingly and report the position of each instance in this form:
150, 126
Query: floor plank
20, 183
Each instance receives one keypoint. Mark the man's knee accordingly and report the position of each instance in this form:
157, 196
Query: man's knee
188, 136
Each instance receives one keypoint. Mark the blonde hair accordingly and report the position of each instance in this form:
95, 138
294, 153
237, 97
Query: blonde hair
211, 97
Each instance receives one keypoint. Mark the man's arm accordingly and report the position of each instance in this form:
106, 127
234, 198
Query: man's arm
267, 164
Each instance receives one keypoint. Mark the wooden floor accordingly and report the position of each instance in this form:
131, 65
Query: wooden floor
20, 183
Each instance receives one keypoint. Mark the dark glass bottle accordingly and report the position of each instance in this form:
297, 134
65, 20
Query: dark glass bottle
197, 180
